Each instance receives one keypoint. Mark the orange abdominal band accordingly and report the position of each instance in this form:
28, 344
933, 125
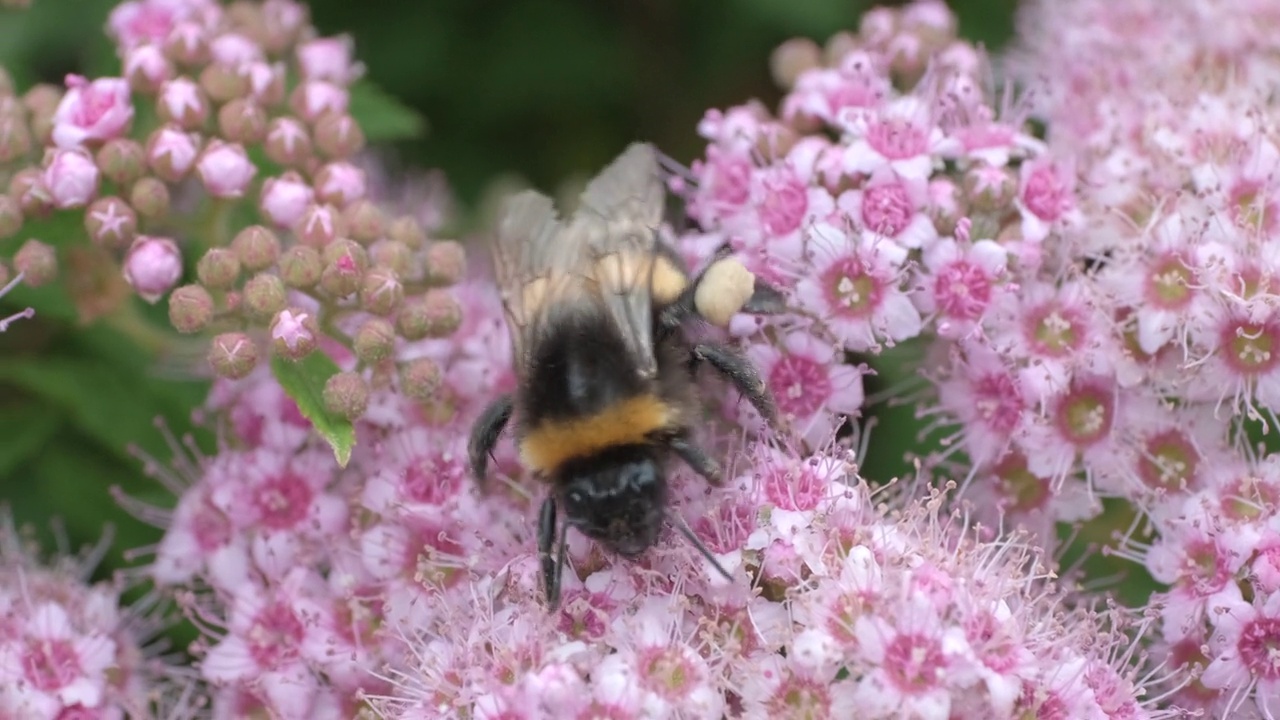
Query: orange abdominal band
628, 422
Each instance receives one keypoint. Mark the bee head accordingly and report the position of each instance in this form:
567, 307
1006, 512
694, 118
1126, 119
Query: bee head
617, 497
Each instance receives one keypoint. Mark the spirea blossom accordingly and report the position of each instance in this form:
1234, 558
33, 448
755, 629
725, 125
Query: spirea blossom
70, 648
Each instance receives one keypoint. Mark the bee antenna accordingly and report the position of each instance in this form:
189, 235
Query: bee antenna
683, 528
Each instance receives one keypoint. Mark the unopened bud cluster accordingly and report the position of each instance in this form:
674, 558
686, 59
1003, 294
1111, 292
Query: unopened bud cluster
224, 85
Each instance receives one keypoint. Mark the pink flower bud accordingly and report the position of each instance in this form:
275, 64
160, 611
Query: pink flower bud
15, 135
282, 21
234, 51
10, 217
339, 183
346, 394
172, 152
221, 83
27, 187
121, 160
225, 169
420, 379
137, 23
257, 247
314, 98
284, 199
150, 197
288, 142
71, 178
146, 68
91, 112
152, 266
374, 341
264, 296
37, 261
294, 333
188, 43
190, 309
329, 59
446, 262
266, 82
183, 103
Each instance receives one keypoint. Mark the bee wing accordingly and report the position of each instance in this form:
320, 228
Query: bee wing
617, 223
538, 267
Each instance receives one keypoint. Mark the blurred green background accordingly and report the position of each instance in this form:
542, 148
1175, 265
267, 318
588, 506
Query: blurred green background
547, 89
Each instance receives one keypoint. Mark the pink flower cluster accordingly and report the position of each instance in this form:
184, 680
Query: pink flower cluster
71, 649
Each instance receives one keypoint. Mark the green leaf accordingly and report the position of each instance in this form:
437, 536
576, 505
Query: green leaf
26, 429
382, 117
304, 381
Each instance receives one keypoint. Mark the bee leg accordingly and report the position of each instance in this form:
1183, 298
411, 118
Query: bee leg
695, 458
552, 567
739, 371
484, 435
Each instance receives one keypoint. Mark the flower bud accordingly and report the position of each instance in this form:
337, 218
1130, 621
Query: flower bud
320, 225
15, 136
150, 197
374, 341
293, 334
313, 98
243, 121
264, 296
92, 112
792, 58
340, 183
10, 217
282, 23
232, 301
182, 103
380, 292
257, 248
990, 189
284, 199
408, 230
946, 205
393, 255
435, 314
111, 223
171, 153
420, 379
37, 262
837, 46
146, 68
339, 136
152, 266
218, 269
329, 59
300, 267
190, 309
188, 44
223, 84
71, 178
42, 102
121, 160
225, 169
345, 264
288, 142
446, 262
266, 83
234, 51
346, 394
27, 188
364, 220
232, 355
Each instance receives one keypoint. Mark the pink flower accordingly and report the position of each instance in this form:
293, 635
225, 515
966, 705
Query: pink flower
71, 178
901, 134
285, 198
960, 283
891, 207
92, 111
49, 666
329, 59
225, 169
138, 22
810, 387
1246, 636
152, 266
1045, 197
181, 101
853, 289
826, 93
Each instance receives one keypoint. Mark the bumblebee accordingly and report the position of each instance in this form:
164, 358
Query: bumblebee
606, 391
